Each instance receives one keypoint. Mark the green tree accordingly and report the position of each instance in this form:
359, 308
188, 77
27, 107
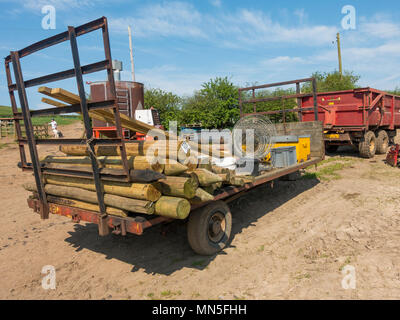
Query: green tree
215, 105
333, 81
273, 105
168, 104
396, 91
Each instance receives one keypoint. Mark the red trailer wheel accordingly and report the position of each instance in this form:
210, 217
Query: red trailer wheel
367, 146
382, 142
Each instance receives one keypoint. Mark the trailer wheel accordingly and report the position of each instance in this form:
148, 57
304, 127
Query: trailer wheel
382, 142
367, 145
209, 228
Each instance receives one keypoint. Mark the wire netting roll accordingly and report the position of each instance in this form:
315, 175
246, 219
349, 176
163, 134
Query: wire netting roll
253, 136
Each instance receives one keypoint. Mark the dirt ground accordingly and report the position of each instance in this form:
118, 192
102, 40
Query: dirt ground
291, 241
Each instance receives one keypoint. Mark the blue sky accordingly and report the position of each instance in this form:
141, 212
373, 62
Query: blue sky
180, 44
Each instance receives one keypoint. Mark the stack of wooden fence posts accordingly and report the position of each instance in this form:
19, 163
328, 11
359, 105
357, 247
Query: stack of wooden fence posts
160, 185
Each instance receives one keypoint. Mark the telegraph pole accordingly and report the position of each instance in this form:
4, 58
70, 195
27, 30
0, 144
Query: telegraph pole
130, 47
339, 53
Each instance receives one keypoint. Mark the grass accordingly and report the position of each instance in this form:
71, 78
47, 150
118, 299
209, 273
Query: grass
198, 263
345, 263
169, 293
3, 145
303, 276
176, 260
334, 159
166, 293
6, 112
151, 296
381, 173
61, 120
328, 169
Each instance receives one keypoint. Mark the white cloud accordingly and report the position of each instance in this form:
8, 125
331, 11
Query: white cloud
283, 61
362, 55
169, 78
257, 27
372, 46
301, 14
250, 27
384, 30
167, 19
216, 3
377, 65
36, 5
372, 31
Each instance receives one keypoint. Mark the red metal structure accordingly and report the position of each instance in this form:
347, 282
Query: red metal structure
129, 97
366, 118
392, 157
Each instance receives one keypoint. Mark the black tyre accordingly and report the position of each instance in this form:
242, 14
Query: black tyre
209, 228
331, 148
367, 145
382, 142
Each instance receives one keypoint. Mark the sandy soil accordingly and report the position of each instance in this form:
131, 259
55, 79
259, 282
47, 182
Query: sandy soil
288, 242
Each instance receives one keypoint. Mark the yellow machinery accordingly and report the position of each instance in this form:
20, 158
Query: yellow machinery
302, 144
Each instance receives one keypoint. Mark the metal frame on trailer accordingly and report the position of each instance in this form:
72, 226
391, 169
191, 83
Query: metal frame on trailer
298, 95
84, 107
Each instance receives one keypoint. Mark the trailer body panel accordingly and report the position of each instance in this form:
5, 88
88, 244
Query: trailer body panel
347, 114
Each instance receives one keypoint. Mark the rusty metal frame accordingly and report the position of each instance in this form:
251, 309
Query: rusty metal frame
119, 225
298, 95
84, 107
230, 192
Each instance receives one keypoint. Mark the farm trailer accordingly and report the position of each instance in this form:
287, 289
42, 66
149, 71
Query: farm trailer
209, 224
365, 118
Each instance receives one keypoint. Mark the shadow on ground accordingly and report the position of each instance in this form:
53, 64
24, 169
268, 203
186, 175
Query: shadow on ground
345, 151
156, 253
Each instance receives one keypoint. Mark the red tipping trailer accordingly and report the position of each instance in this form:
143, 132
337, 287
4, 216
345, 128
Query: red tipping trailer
366, 118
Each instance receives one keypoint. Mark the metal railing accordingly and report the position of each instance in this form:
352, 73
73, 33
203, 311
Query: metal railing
282, 111
83, 107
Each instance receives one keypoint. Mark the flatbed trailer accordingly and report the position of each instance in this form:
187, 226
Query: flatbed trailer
365, 118
209, 224
136, 224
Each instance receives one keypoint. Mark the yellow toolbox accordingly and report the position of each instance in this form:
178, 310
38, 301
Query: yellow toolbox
302, 144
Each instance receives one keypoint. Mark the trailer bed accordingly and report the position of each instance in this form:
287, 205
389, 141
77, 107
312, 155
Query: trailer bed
137, 224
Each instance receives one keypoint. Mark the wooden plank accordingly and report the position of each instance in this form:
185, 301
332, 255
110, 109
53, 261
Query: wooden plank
53, 102
60, 94
65, 96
